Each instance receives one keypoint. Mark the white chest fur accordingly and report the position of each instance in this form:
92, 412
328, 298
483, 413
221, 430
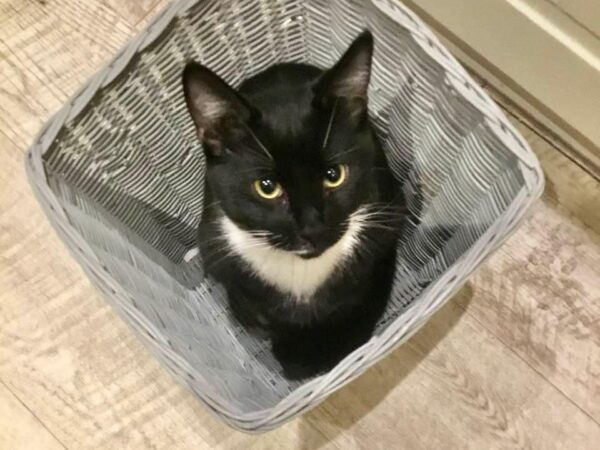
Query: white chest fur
287, 271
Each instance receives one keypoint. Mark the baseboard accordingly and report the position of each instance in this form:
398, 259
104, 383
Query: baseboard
560, 99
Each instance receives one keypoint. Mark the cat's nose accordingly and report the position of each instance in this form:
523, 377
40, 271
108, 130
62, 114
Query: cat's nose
311, 237
305, 247
311, 231
307, 242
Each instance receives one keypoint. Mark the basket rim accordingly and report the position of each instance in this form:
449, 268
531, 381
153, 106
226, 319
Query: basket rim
438, 292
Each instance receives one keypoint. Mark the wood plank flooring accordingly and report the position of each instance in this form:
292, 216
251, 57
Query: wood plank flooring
513, 361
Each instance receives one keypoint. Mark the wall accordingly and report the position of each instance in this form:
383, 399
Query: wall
543, 54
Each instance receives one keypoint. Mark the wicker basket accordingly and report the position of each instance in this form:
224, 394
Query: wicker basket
119, 173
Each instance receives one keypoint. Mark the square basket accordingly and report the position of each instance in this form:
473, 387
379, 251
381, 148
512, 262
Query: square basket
119, 172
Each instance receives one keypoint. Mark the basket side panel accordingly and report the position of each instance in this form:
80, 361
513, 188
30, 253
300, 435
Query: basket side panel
127, 172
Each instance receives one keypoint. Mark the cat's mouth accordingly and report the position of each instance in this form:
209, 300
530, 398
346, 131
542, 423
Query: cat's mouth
308, 249
301, 247
304, 250
307, 253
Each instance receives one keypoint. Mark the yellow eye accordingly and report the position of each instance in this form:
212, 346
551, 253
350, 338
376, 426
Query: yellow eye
335, 176
268, 188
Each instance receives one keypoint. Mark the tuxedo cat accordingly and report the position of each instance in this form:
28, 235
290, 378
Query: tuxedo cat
302, 211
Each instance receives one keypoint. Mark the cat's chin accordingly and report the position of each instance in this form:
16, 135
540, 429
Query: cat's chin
304, 250
297, 274
308, 253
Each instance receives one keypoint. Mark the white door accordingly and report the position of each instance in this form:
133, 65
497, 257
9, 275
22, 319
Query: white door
545, 52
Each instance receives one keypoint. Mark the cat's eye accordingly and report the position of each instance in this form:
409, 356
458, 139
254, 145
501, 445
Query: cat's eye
335, 176
268, 188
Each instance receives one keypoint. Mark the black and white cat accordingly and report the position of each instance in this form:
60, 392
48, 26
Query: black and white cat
302, 209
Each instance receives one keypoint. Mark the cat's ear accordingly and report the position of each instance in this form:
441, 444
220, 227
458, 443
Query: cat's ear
349, 78
217, 109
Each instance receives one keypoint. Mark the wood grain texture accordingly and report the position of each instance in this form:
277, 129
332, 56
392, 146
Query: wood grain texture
511, 362
134, 12
545, 282
569, 189
19, 428
455, 386
44, 58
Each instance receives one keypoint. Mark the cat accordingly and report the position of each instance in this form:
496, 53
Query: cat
302, 211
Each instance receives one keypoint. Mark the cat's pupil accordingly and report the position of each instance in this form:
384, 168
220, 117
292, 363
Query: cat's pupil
332, 174
268, 185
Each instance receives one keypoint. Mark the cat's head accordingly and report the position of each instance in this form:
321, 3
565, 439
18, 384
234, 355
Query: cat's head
291, 156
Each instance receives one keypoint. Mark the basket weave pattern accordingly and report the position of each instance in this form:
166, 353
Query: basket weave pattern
119, 172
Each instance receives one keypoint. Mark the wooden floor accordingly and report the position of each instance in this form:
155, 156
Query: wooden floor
513, 361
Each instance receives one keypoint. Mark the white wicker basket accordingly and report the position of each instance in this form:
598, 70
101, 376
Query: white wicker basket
119, 173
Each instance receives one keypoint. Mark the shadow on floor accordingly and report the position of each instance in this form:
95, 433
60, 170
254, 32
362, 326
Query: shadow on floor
342, 410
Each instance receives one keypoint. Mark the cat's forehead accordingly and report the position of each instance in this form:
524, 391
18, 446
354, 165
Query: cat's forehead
295, 132
291, 122
292, 133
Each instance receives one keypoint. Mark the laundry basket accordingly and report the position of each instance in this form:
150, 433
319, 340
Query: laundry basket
119, 172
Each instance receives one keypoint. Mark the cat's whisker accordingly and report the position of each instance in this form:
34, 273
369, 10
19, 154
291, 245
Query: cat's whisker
234, 252
260, 233
227, 246
337, 155
257, 169
329, 125
385, 218
260, 144
211, 204
211, 242
383, 212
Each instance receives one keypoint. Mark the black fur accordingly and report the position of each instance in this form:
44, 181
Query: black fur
288, 108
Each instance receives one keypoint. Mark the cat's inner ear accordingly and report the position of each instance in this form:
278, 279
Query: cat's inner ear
349, 78
217, 109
